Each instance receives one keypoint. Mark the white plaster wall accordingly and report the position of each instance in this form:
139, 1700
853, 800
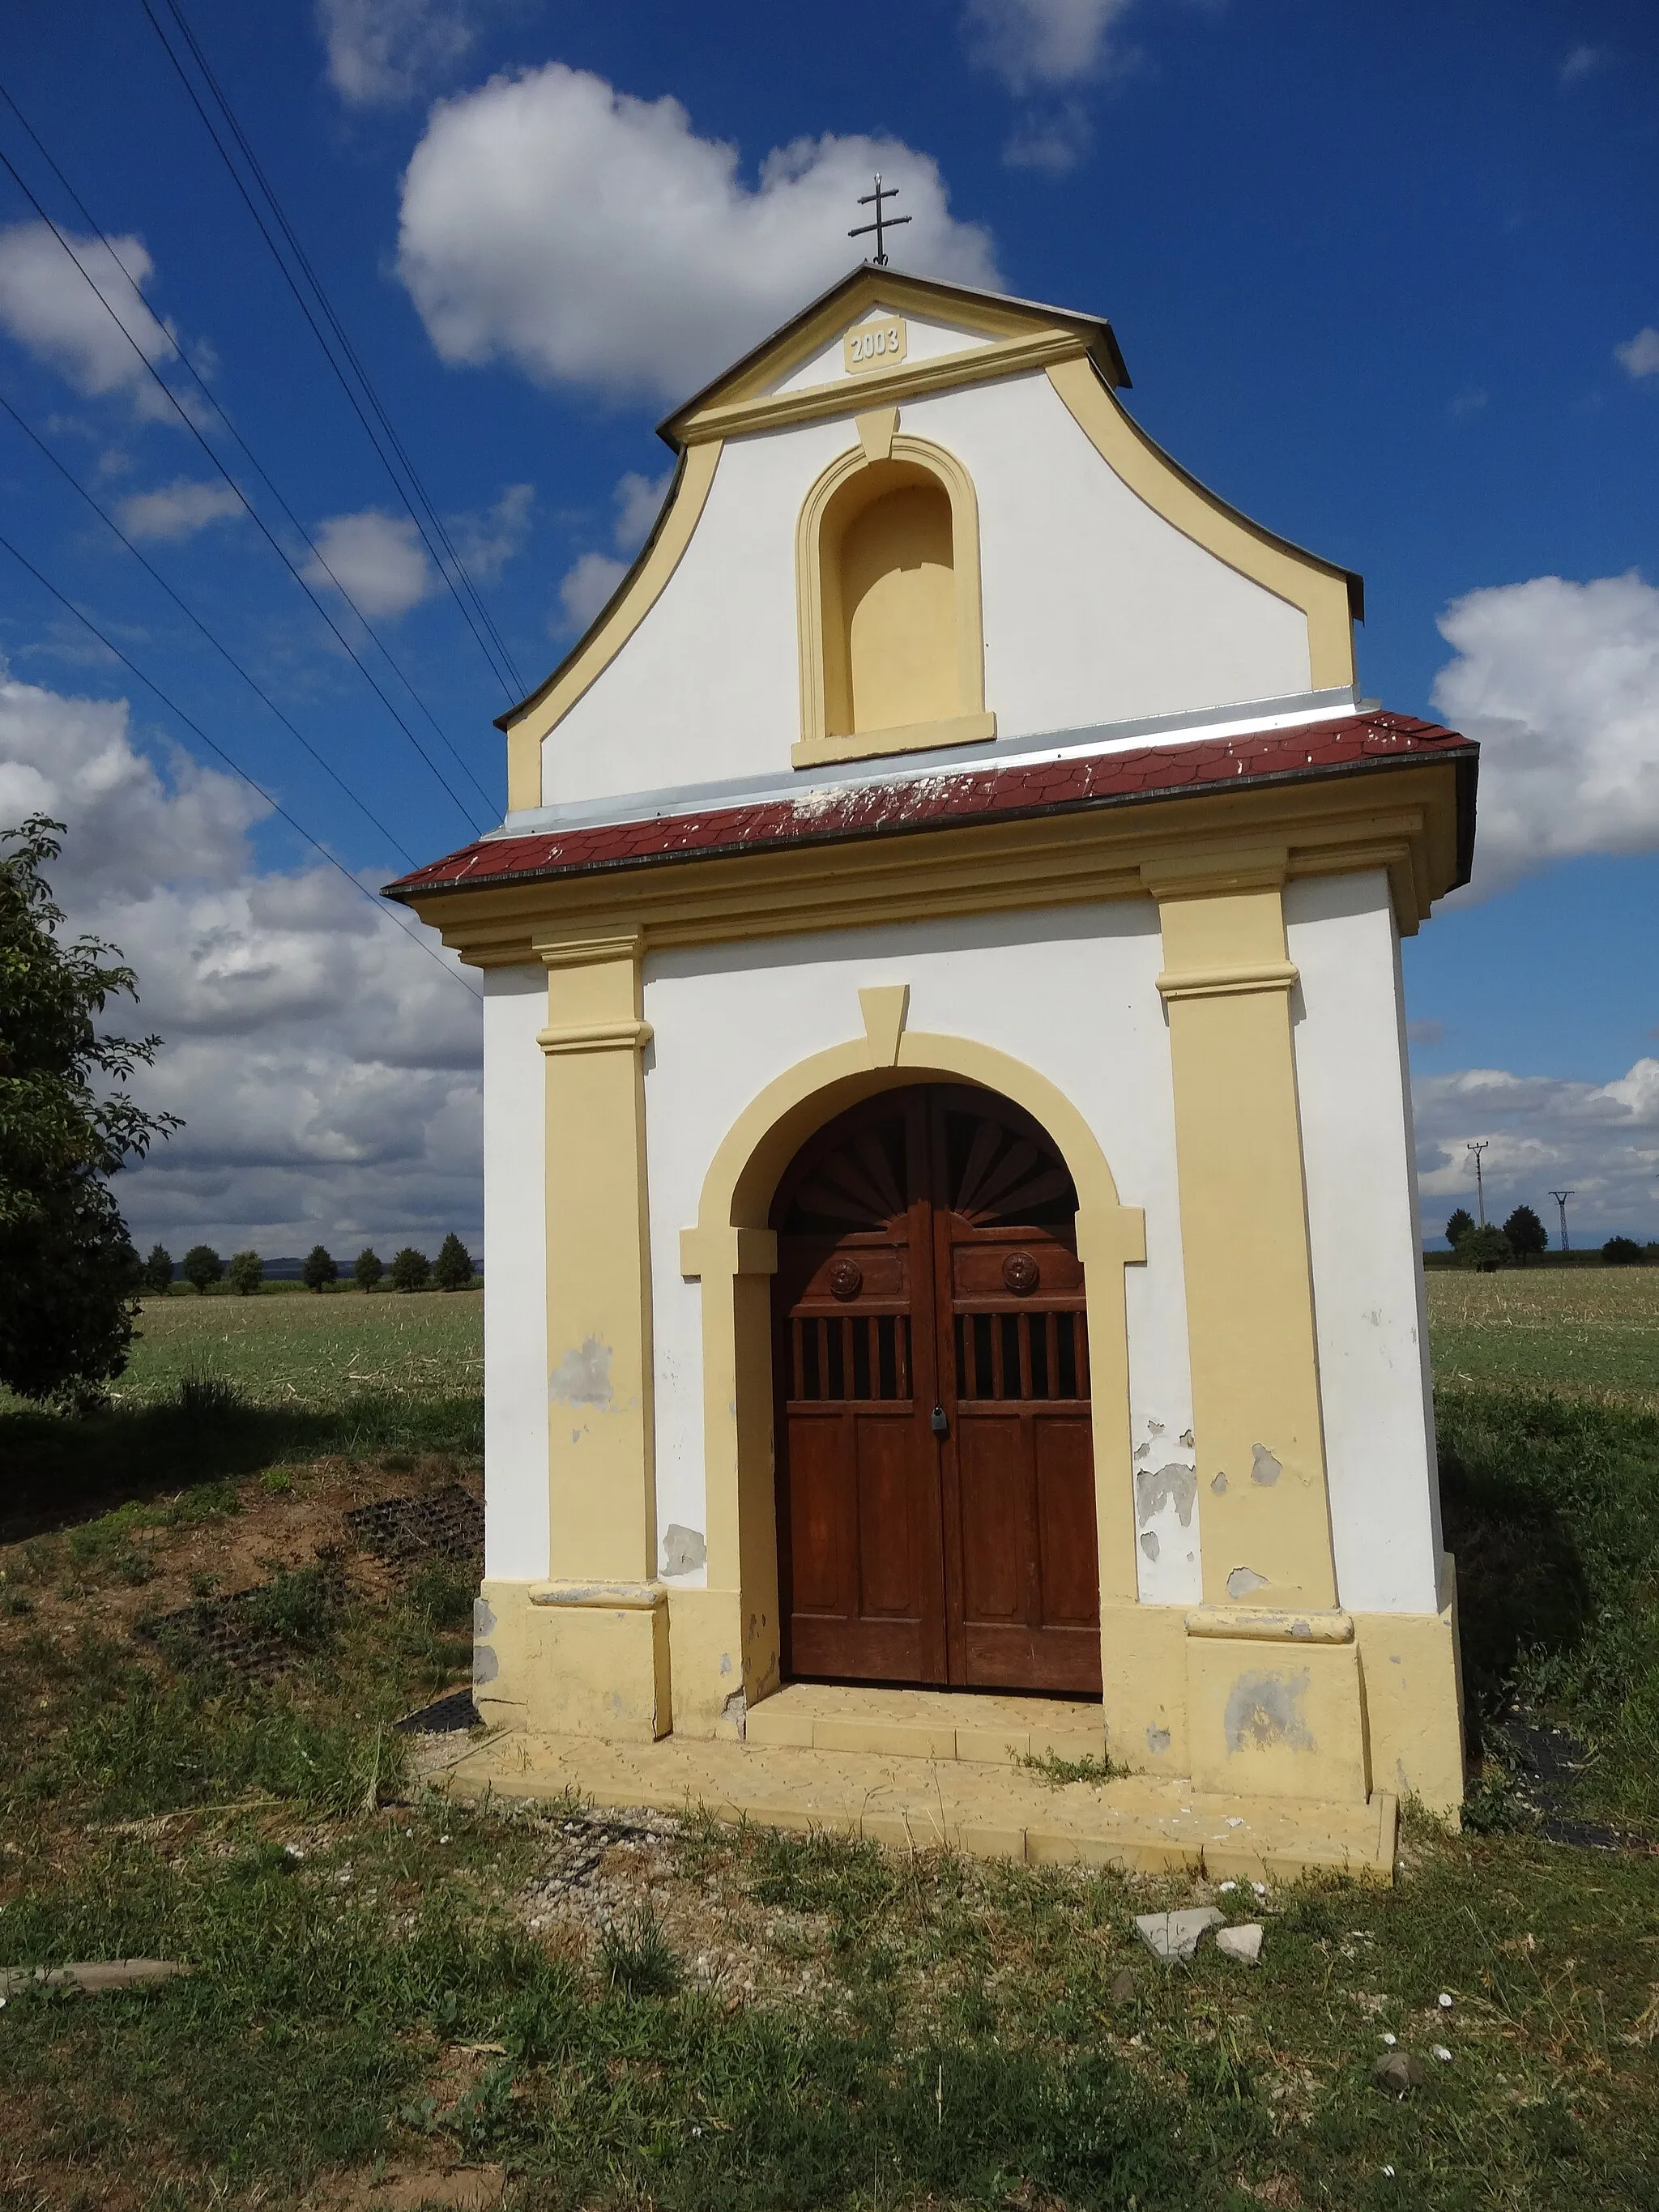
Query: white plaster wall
1096, 610
1367, 1267
516, 1534
922, 342
1071, 992
709, 686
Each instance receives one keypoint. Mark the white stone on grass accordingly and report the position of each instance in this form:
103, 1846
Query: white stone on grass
1242, 1942
1171, 1936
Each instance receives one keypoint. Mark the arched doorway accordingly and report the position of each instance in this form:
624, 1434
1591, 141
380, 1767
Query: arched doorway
935, 1473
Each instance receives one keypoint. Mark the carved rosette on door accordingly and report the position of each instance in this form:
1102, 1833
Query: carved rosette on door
935, 1482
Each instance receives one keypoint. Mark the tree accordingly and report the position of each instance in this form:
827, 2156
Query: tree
158, 1272
1527, 1234
367, 1269
453, 1270
246, 1273
68, 1275
1459, 1226
410, 1269
318, 1269
1624, 1252
1483, 1249
202, 1267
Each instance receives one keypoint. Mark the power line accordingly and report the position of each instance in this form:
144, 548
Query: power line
258, 520
172, 707
190, 614
489, 640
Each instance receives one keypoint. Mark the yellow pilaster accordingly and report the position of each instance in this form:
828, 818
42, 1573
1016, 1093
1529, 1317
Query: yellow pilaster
1226, 984
601, 1458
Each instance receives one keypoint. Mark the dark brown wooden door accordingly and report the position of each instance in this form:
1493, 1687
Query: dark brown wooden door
936, 1510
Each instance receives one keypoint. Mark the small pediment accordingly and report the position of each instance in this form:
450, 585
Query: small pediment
881, 334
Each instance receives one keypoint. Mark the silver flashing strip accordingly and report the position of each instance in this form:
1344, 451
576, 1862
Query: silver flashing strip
913, 768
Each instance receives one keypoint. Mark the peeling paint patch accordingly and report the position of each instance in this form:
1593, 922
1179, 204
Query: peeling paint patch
1265, 1711
726, 1662
483, 1619
1244, 1580
1264, 1467
1158, 1742
1219, 1484
583, 1377
683, 1549
485, 1665
1149, 1544
1187, 1438
1172, 1484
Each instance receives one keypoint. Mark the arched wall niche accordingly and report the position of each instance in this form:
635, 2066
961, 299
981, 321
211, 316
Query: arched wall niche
892, 654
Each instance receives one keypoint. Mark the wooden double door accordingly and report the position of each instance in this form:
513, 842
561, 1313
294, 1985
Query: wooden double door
935, 1466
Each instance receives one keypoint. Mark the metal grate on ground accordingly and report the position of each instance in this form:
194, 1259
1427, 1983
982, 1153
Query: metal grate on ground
406, 1532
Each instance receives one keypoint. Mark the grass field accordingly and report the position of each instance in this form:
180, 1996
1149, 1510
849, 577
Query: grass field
396, 2000
1592, 1332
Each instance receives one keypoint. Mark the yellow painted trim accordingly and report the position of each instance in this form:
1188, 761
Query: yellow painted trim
885, 1008
911, 380
1403, 824
632, 599
894, 328
737, 1195
1256, 1416
910, 737
1322, 590
601, 1445
1229, 979
622, 1597
1264, 1626
876, 431
971, 723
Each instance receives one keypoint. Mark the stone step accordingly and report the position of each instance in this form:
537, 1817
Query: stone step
986, 1727
989, 1809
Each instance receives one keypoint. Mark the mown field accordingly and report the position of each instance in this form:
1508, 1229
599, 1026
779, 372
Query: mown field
397, 2001
1592, 1332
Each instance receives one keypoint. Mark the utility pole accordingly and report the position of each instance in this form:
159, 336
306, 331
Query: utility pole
1561, 1198
1479, 1182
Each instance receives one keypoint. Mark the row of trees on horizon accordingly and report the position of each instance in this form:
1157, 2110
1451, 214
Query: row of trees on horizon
1484, 1246
245, 1273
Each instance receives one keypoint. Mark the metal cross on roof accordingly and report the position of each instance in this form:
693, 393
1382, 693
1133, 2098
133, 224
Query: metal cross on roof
882, 222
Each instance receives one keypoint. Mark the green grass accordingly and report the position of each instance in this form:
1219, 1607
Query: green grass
1590, 1333
221, 1387
907, 2030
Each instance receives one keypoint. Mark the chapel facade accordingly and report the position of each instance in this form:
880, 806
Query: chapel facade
950, 1202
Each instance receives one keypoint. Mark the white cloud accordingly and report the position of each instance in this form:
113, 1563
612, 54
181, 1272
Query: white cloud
1583, 61
179, 510
377, 559
593, 239
1036, 45
1560, 682
1599, 1139
587, 587
589, 584
487, 542
1639, 356
382, 53
639, 502
327, 1071
51, 310
1053, 144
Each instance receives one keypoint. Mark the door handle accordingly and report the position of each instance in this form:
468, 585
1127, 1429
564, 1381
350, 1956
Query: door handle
939, 1424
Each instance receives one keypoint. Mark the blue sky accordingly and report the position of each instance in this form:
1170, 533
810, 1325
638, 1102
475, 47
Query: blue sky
1387, 279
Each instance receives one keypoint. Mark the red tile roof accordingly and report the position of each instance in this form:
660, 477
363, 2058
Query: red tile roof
943, 798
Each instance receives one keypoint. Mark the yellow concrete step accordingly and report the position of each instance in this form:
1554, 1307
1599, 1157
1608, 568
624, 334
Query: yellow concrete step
984, 1727
992, 1810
